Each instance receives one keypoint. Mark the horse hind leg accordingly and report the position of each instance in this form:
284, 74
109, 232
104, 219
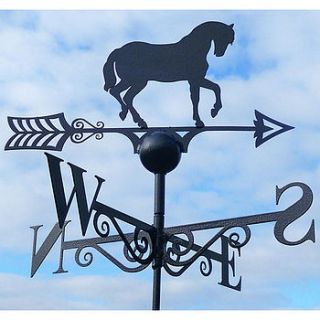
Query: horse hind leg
115, 92
128, 99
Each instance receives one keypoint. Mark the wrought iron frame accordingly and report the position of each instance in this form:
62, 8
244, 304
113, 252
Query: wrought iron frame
172, 240
173, 248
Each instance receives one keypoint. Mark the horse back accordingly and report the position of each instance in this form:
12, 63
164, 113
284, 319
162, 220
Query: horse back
161, 62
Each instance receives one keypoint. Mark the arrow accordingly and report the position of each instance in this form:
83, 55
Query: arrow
262, 128
51, 132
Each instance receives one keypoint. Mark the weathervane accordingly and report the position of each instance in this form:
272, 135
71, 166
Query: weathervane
175, 249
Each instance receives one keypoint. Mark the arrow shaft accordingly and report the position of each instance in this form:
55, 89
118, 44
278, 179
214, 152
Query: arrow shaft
176, 129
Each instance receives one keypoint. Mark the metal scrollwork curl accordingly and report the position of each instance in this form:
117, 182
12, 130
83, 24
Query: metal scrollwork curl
87, 257
139, 248
82, 124
140, 244
206, 267
102, 228
180, 248
141, 241
235, 240
99, 135
79, 137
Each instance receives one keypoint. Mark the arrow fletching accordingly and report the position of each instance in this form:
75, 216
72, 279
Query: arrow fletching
38, 133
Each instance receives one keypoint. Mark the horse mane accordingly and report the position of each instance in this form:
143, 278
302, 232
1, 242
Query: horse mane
206, 27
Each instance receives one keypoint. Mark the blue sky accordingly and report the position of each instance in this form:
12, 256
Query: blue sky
52, 62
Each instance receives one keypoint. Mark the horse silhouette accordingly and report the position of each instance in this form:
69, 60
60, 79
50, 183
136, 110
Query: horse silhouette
136, 63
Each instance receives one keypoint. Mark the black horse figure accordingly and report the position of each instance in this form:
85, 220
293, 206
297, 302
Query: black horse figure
136, 63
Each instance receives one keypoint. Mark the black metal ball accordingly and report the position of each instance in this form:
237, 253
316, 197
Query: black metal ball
160, 152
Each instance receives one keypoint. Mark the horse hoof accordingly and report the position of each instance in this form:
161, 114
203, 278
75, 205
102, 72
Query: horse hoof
142, 124
199, 124
122, 115
214, 112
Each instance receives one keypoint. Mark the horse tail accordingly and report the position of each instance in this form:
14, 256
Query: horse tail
108, 72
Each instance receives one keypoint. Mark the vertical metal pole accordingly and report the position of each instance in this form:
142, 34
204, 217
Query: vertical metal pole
158, 222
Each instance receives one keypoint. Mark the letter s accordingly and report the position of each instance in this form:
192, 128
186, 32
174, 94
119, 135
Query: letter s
292, 213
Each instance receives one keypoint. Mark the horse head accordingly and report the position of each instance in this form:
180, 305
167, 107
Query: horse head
222, 39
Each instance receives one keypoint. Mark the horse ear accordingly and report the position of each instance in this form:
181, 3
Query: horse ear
231, 25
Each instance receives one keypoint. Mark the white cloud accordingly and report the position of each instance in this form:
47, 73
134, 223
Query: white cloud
72, 293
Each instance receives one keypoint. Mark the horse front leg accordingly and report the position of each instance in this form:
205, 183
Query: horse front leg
207, 84
195, 97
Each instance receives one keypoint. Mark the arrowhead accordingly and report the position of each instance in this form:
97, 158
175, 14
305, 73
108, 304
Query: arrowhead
265, 124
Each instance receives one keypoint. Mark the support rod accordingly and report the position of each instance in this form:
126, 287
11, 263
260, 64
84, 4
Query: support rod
159, 204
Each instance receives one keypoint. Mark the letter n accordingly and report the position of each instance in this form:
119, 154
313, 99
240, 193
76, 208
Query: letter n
39, 256
62, 205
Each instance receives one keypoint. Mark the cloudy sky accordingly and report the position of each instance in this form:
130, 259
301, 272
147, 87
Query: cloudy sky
52, 62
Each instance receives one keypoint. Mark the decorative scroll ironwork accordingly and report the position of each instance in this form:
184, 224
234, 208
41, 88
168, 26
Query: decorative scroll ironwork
181, 249
84, 257
85, 248
140, 248
174, 252
79, 136
51, 132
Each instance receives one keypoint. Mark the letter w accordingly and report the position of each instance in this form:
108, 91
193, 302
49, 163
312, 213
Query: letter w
62, 205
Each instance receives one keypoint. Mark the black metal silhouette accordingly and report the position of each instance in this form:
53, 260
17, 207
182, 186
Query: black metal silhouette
51, 132
178, 241
172, 248
136, 63
84, 257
